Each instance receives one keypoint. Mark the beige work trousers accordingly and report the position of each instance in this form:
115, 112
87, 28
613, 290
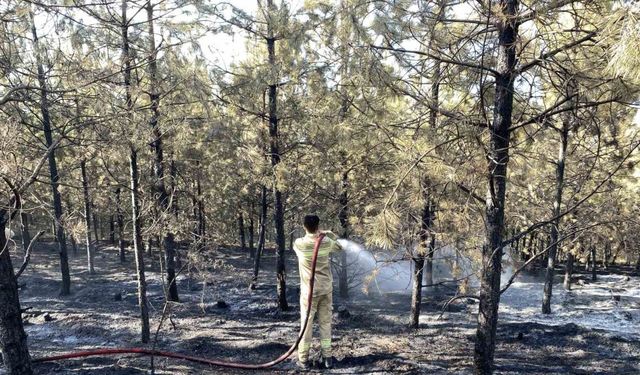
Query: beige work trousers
322, 306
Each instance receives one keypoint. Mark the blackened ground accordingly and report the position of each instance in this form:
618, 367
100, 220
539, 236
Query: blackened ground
102, 312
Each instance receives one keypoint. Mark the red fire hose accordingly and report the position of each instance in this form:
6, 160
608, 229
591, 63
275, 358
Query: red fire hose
206, 361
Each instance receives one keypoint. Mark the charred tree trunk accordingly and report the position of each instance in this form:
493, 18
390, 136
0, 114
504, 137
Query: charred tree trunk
568, 271
261, 238
13, 339
278, 212
112, 230
24, 229
553, 246
173, 172
252, 250
594, 264
498, 158
424, 247
137, 240
134, 179
120, 220
416, 290
160, 190
65, 288
429, 209
343, 216
606, 255
428, 261
87, 216
96, 224
74, 245
199, 211
243, 244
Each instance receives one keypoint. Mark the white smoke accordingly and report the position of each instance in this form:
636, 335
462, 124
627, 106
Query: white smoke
382, 272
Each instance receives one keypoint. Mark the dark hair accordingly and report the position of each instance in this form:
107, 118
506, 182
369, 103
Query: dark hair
311, 223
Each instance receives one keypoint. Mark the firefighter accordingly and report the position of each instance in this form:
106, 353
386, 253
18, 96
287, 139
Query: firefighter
322, 289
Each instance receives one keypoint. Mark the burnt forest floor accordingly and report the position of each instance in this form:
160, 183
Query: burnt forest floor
102, 312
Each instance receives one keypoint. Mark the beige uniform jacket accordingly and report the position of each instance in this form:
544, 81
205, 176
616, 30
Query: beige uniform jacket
304, 250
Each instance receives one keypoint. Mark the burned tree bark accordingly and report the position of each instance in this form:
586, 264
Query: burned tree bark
243, 244
344, 224
120, 222
112, 230
87, 216
278, 211
137, 242
24, 230
13, 339
553, 246
594, 264
96, 224
498, 158
261, 238
429, 199
416, 290
160, 190
426, 241
54, 177
568, 271
252, 250
198, 211
134, 179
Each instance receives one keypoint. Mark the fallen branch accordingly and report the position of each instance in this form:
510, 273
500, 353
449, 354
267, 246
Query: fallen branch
27, 255
454, 298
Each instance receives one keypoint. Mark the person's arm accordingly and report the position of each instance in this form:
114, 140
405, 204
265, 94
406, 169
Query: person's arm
334, 239
330, 234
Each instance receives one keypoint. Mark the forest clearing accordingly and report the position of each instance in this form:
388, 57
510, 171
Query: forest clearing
372, 338
339, 186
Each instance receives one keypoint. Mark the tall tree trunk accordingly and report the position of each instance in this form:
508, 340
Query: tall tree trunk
243, 244
424, 247
87, 216
278, 212
433, 122
173, 172
160, 190
24, 229
112, 230
134, 179
137, 239
343, 216
65, 288
498, 158
261, 238
428, 261
199, 210
13, 339
120, 220
594, 264
553, 246
74, 245
568, 271
416, 289
252, 250
96, 224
